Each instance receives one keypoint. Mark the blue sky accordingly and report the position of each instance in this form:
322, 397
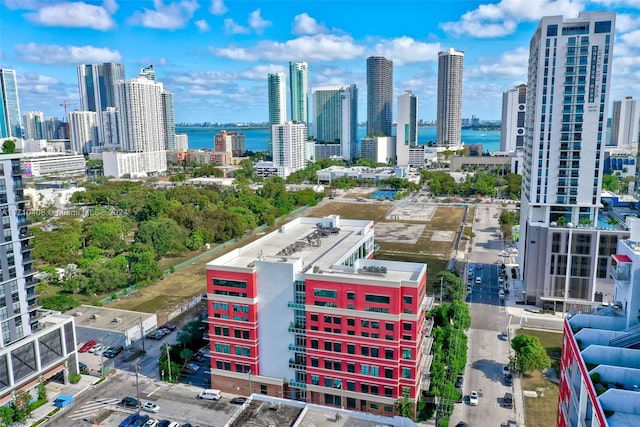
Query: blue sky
214, 55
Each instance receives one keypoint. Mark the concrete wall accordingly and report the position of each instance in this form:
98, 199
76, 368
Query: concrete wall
601, 355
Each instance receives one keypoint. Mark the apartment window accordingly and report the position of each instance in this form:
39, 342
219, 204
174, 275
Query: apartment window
374, 352
407, 299
364, 323
388, 337
364, 388
327, 346
351, 322
337, 320
351, 367
388, 408
364, 351
325, 293
406, 373
406, 353
374, 390
351, 386
328, 364
379, 299
327, 319
351, 348
314, 344
337, 347
315, 362
328, 382
351, 296
230, 283
375, 325
388, 373
315, 380
263, 389
406, 326
388, 354
314, 317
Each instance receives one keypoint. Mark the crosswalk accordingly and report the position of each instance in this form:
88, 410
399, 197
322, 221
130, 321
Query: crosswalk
92, 407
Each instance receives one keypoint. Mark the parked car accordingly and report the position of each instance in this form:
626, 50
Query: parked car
199, 358
142, 419
507, 401
238, 400
87, 346
151, 407
127, 422
501, 294
164, 423
169, 326
113, 352
156, 335
505, 370
459, 381
83, 368
151, 422
508, 379
129, 402
473, 398
165, 331
95, 348
193, 367
504, 336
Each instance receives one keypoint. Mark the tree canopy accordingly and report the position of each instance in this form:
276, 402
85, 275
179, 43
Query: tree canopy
529, 354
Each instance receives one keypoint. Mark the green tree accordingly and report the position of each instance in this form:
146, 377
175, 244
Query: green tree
9, 146
6, 415
21, 405
143, 265
107, 232
162, 234
186, 354
59, 302
529, 354
404, 405
42, 390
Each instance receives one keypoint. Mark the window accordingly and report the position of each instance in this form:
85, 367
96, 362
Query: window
351, 348
351, 386
328, 382
315, 380
325, 293
364, 388
364, 323
351, 296
315, 362
374, 352
374, 405
407, 299
263, 389
388, 373
406, 326
379, 299
230, 283
337, 320
351, 367
406, 353
351, 322
337, 347
406, 373
388, 408
375, 325
364, 369
388, 326
328, 364
388, 354
327, 319
314, 317
327, 345
364, 351
314, 344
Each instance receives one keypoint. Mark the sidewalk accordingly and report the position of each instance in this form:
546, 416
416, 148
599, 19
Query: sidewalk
54, 390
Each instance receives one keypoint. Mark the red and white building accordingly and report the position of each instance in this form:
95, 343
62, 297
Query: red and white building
306, 313
600, 366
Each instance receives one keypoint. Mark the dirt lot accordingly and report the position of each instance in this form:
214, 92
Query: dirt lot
170, 292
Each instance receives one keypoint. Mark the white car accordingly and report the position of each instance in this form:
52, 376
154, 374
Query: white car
505, 370
501, 294
473, 398
96, 348
151, 407
151, 422
193, 366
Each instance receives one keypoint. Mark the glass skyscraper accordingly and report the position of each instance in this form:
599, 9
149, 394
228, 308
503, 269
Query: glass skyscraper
299, 91
449, 111
335, 115
10, 126
379, 96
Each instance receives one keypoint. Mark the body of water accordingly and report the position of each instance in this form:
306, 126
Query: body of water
258, 139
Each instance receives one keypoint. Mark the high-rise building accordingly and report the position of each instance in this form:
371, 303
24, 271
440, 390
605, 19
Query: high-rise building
299, 91
598, 368
304, 312
625, 122
407, 126
33, 125
83, 129
514, 107
142, 130
289, 141
51, 128
335, 118
182, 142
449, 108
564, 249
148, 73
168, 120
277, 99
379, 96
10, 126
230, 142
110, 132
97, 85
35, 344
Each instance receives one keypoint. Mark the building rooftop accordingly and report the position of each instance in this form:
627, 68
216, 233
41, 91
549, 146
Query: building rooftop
319, 246
272, 411
104, 318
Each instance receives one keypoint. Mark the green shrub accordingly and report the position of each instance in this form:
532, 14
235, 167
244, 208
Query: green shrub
74, 379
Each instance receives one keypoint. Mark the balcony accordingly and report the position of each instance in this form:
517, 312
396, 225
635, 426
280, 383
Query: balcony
297, 329
297, 364
16, 171
295, 305
295, 347
296, 384
26, 247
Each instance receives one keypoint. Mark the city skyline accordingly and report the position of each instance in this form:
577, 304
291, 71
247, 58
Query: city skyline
214, 56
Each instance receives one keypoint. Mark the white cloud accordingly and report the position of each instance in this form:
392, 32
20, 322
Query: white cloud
405, 50
218, 8
232, 27
632, 38
257, 22
202, 25
205, 78
321, 47
168, 17
260, 72
75, 14
626, 22
304, 24
510, 64
65, 55
501, 19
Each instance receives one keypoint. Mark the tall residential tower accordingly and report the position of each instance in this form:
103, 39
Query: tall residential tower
379, 96
514, 106
335, 117
299, 91
449, 108
10, 126
565, 251
407, 127
625, 122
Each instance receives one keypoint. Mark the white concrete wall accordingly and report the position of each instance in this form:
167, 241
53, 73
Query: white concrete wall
616, 356
275, 290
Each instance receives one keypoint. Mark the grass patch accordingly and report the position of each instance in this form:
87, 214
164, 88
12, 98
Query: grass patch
101, 416
541, 411
151, 305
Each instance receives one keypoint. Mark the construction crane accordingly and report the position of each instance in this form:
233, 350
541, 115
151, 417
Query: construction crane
66, 104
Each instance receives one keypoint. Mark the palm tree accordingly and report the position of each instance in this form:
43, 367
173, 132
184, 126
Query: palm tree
404, 406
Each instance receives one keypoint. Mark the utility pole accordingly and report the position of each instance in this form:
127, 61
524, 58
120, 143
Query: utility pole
168, 360
137, 387
142, 333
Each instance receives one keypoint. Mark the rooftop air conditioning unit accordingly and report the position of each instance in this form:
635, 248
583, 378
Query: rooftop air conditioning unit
95, 316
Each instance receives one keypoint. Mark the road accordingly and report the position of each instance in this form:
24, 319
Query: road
490, 315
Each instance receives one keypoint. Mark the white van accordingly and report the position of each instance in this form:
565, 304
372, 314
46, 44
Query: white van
478, 281
210, 394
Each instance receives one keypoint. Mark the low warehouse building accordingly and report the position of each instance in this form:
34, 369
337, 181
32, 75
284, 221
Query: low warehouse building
111, 326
